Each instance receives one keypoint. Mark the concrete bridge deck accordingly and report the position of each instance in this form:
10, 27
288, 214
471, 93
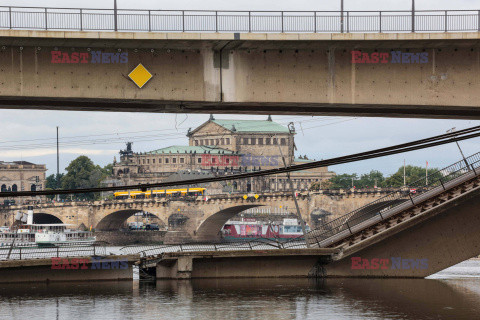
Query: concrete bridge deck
81, 268
262, 73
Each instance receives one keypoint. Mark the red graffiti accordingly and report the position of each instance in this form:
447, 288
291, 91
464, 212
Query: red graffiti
62, 264
209, 160
65, 57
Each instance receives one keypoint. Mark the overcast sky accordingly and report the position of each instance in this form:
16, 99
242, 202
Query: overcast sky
319, 138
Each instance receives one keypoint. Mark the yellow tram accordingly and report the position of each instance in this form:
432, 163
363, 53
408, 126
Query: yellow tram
166, 193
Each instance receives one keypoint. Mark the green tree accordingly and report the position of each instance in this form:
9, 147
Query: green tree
54, 181
343, 181
412, 175
83, 173
369, 180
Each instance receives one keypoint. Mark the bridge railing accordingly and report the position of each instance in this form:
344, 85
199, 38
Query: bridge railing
71, 250
403, 195
256, 244
238, 21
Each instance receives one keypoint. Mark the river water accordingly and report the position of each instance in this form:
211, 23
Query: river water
451, 294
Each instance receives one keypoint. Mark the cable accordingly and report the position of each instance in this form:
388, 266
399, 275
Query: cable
405, 147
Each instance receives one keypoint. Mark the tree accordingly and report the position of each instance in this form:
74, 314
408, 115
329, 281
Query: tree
370, 180
412, 175
342, 181
54, 181
82, 173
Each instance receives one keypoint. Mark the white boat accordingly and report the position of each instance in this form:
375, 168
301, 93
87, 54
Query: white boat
45, 235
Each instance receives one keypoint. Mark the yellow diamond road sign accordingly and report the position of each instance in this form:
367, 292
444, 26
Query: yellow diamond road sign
140, 75
256, 196
245, 197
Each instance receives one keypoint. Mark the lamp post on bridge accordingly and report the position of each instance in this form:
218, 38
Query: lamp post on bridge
115, 15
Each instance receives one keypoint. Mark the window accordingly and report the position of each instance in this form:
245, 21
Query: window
227, 161
174, 160
228, 140
199, 160
182, 160
274, 141
253, 140
196, 142
260, 141
167, 160
283, 141
267, 141
213, 160
148, 161
143, 161
153, 161
201, 142
222, 141
245, 140
160, 160
212, 142
218, 142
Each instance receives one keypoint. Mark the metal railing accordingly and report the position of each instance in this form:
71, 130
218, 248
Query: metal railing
439, 180
238, 21
254, 244
71, 250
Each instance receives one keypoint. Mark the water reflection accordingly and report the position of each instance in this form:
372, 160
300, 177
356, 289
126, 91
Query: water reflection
277, 299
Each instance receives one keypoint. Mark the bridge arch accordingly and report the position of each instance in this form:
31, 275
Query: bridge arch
210, 228
45, 218
115, 220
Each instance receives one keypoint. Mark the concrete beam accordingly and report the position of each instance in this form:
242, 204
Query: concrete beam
308, 74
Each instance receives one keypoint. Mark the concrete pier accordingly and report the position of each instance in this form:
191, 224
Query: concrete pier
244, 264
85, 268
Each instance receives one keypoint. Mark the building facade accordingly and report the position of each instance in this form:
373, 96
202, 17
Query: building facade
22, 176
222, 147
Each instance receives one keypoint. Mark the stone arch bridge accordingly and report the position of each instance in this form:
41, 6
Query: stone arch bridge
204, 218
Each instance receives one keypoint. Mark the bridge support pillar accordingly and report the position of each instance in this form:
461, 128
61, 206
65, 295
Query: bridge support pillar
180, 268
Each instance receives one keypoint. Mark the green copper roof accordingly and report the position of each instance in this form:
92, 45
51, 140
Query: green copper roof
191, 149
252, 126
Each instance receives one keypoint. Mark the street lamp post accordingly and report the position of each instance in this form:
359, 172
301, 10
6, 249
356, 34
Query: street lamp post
115, 14
341, 16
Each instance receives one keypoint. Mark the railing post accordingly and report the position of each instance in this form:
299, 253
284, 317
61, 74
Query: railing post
380, 22
58, 253
410, 196
115, 15
441, 182
478, 20
20, 253
46, 21
446, 20
282, 22
348, 22
413, 15
249, 21
216, 21
149, 24
348, 226
315, 21
10, 16
183, 20
81, 19
341, 19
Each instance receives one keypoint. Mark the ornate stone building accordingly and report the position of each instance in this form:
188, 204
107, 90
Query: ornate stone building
22, 176
222, 147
